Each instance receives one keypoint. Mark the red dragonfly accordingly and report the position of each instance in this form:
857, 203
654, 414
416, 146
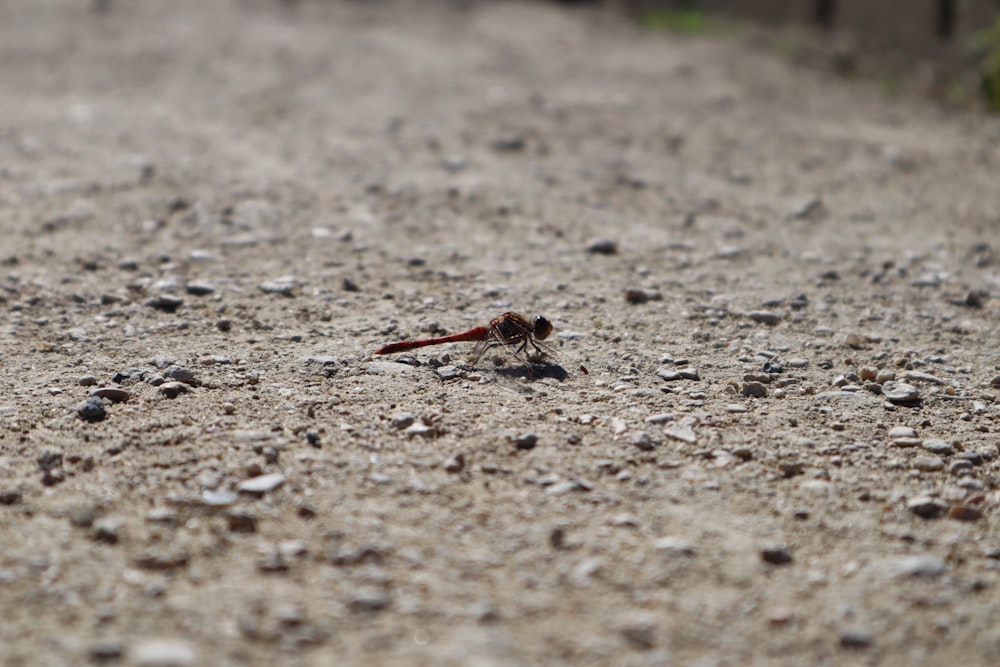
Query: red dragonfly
513, 331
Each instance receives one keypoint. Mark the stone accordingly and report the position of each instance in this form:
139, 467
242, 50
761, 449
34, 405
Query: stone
179, 374
402, 420
900, 393
901, 432
776, 555
107, 530
455, 463
927, 507
602, 247
525, 441
764, 317
885, 375
681, 433
928, 464
91, 409
113, 394
754, 389
199, 289
165, 303
282, 286
937, 446
856, 639
173, 389
261, 484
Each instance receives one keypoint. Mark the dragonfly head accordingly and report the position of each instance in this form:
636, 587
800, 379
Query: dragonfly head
541, 327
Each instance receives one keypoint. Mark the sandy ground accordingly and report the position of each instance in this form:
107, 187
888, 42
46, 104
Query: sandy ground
212, 214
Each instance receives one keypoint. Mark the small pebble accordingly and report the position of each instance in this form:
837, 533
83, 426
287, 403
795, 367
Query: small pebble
261, 484
91, 409
675, 546
199, 289
900, 392
602, 247
283, 287
798, 363
166, 303
928, 464
637, 296
661, 418
241, 522
402, 420
927, 507
113, 394
776, 555
868, 372
885, 375
526, 441
368, 602
107, 530
764, 317
172, 389
448, 372
681, 433
87, 380
901, 432
754, 389
856, 639
511, 142
421, 429
965, 513
105, 651
179, 374
10, 496
937, 446
455, 463
807, 208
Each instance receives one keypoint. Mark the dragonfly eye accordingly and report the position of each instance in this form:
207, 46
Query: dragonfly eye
542, 327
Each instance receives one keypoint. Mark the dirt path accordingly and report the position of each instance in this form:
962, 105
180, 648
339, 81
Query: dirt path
224, 209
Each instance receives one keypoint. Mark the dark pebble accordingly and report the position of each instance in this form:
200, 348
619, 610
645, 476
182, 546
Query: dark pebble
526, 441
10, 497
776, 555
179, 374
637, 296
602, 247
173, 389
754, 389
199, 289
509, 143
855, 639
773, 367
349, 285
105, 651
92, 409
166, 303
241, 522
964, 513
927, 507
764, 317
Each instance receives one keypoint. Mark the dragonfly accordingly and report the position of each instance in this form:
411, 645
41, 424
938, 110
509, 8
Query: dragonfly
520, 336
